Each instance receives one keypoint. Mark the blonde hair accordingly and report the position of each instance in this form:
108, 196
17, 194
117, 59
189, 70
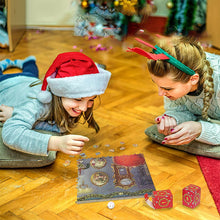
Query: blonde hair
190, 53
58, 114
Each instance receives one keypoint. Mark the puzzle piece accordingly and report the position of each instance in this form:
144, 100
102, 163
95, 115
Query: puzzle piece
116, 177
67, 163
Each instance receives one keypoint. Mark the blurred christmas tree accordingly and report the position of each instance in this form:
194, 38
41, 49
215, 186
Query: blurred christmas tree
185, 16
108, 18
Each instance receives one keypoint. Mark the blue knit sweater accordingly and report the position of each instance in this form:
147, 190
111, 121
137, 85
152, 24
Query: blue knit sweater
17, 132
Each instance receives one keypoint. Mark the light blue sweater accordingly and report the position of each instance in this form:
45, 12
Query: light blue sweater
17, 132
189, 108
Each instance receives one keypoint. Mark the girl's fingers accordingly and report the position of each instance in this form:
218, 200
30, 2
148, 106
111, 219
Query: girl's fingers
178, 141
75, 148
176, 129
161, 125
172, 124
80, 138
157, 119
167, 126
77, 143
74, 152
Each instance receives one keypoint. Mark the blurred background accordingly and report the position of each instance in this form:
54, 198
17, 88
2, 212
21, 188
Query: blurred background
110, 18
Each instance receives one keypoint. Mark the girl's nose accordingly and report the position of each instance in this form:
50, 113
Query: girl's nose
83, 106
161, 92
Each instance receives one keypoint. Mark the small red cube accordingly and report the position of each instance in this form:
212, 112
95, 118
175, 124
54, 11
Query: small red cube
191, 196
162, 199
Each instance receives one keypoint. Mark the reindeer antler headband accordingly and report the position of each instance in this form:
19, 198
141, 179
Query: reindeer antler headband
160, 54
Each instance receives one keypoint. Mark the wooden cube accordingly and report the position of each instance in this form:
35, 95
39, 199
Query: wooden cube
162, 199
191, 196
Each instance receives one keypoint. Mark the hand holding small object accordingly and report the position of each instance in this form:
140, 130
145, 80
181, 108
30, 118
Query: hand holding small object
68, 144
184, 133
165, 124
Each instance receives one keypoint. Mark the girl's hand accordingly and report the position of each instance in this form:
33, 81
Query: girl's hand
68, 144
5, 112
165, 124
184, 133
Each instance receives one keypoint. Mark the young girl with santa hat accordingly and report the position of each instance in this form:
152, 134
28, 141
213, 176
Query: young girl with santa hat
69, 89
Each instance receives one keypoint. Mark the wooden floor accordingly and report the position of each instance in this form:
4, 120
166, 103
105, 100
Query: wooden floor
129, 105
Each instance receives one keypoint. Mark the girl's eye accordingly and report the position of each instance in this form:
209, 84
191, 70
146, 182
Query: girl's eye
93, 99
78, 100
167, 89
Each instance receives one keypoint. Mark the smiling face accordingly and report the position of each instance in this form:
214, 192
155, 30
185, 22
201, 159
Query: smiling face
173, 89
75, 107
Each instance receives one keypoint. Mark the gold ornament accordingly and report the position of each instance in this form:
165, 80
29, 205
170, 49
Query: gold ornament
116, 3
84, 4
169, 4
128, 7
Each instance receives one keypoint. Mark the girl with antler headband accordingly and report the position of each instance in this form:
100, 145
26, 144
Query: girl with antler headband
189, 80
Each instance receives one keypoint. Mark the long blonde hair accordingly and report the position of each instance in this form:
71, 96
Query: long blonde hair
189, 52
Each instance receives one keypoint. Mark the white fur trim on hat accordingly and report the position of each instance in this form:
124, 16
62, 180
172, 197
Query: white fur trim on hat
80, 86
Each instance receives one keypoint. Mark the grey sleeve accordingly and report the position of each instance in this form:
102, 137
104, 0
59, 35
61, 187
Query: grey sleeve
210, 133
17, 131
178, 110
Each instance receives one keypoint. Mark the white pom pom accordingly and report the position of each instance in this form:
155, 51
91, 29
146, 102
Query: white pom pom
44, 97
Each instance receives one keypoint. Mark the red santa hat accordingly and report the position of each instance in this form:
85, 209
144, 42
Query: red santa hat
73, 75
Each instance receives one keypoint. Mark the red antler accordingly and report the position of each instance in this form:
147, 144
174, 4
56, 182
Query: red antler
148, 55
145, 43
